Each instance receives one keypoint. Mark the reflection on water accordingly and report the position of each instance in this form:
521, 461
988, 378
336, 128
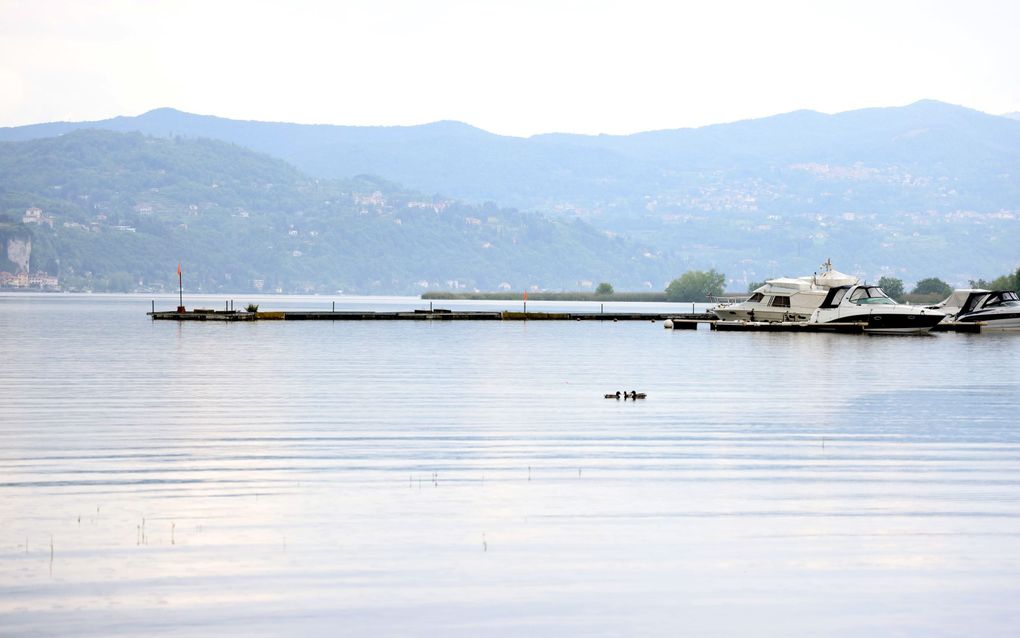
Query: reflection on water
464, 478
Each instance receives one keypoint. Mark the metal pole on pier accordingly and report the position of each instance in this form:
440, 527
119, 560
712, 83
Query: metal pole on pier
180, 289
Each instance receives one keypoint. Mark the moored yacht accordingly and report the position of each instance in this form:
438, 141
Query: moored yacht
869, 305
785, 298
994, 309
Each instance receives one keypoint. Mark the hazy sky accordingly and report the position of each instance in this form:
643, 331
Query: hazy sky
516, 68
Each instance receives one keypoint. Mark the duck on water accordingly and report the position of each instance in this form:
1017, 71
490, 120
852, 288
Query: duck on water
633, 394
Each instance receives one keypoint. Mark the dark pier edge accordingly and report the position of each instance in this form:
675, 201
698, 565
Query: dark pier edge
436, 314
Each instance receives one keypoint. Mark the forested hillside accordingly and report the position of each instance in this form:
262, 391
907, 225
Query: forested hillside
117, 211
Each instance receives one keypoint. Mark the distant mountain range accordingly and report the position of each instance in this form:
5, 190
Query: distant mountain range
925, 189
931, 139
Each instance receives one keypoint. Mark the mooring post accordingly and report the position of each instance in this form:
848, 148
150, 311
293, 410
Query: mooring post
154, 305
334, 306
602, 308
430, 306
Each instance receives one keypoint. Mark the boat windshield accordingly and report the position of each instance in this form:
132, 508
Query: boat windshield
1005, 298
755, 298
871, 295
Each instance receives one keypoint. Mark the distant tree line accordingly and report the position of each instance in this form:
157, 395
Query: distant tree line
1004, 282
934, 288
704, 286
696, 285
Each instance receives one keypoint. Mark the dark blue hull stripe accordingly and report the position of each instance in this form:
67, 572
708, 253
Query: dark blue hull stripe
880, 321
988, 316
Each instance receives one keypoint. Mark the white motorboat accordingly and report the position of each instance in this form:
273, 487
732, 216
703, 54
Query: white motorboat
869, 305
786, 298
994, 309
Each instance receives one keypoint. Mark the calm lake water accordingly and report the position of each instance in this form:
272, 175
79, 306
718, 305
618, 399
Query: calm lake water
468, 478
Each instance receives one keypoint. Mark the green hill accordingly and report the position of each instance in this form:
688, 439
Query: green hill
125, 208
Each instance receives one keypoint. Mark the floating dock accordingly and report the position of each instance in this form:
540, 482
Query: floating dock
437, 314
675, 321
204, 315
684, 323
955, 326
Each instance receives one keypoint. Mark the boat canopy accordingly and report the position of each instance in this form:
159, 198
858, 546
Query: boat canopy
833, 278
824, 280
787, 283
829, 279
958, 300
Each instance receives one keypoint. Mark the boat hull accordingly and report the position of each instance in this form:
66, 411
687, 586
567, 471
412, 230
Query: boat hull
991, 321
733, 313
894, 322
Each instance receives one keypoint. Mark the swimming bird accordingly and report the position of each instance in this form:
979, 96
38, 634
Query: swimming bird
614, 396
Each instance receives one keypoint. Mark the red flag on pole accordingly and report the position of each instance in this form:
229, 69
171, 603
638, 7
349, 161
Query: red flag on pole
525, 295
178, 269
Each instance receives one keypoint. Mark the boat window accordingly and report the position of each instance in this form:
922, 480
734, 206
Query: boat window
780, 301
870, 295
973, 302
1005, 298
879, 296
834, 297
756, 297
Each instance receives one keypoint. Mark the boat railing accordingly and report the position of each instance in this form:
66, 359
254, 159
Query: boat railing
725, 300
